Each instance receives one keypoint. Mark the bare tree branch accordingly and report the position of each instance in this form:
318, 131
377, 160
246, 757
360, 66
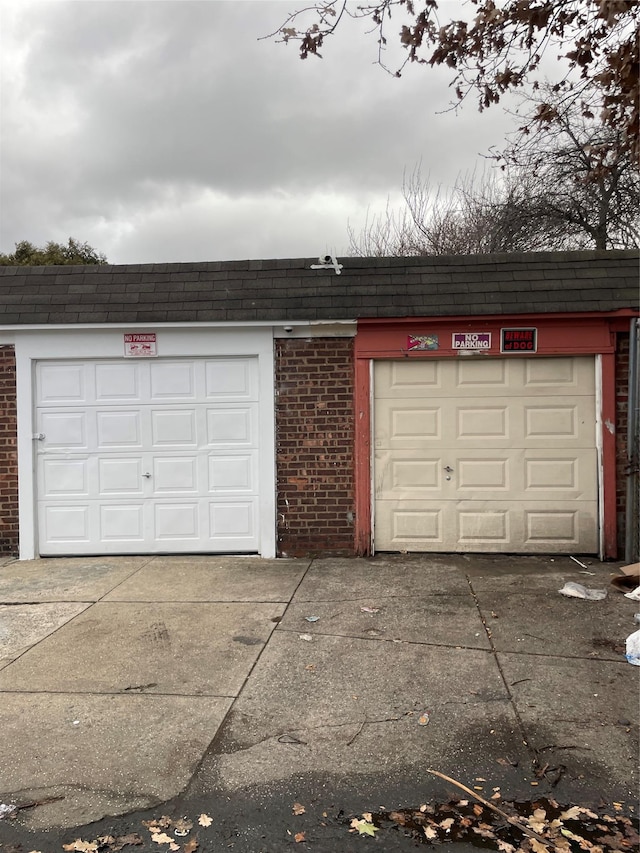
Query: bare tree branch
498, 46
569, 185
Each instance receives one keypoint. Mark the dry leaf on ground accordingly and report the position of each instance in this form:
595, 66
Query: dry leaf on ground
205, 820
298, 808
538, 820
364, 827
81, 846
299, 836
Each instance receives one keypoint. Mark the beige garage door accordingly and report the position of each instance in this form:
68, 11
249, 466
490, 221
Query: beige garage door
488, 455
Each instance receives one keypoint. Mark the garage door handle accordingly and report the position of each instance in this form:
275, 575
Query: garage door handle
147, 475
448, 469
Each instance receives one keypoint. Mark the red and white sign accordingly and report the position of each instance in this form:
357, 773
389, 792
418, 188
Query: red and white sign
140, 345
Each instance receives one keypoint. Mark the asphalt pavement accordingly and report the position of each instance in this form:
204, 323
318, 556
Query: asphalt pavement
274, 701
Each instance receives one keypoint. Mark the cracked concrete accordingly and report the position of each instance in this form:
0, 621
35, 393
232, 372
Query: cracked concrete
130, 681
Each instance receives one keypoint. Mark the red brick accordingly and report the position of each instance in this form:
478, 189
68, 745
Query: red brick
8, 452
315, 446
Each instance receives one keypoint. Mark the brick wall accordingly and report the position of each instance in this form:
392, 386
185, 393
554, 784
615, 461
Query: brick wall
315, 446
622, 399
8, 453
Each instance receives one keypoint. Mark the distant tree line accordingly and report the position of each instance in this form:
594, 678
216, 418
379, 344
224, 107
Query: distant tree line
52, 254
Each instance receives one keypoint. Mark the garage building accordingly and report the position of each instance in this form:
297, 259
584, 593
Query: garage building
288, 407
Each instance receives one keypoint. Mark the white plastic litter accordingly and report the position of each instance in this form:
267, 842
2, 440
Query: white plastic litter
634, 595
576, 590
633, 648
6, 810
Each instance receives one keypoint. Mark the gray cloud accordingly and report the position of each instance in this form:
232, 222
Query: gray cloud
168, 131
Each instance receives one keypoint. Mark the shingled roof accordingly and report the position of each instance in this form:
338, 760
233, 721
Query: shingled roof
288, 290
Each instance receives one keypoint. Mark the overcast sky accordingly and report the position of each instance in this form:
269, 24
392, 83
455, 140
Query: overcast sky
167, 131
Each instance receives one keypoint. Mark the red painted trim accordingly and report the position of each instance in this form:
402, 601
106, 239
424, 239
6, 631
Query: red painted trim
564, 335
609, 456
363, 457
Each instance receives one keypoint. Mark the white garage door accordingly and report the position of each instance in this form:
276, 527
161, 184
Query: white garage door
147, 456
495, 455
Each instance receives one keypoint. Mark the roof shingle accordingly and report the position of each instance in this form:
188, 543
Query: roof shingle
288, 290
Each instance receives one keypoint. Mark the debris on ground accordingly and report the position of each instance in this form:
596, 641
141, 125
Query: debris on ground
633, 648
540, 826
628, 582
579, 562
577, 590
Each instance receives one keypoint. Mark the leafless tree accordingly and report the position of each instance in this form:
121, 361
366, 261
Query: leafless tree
564, 186
579, 172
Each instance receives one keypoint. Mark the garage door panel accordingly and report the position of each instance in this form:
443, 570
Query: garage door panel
406, 474
560, 475
122, 523
176, 521
558, 375
141, 457
173, 428
64, 477
550, 527
504, 422
61, 383
172, 380
470, 376
480, 463
228, 473
230, 379
395, 379
174, 475
484, 525
412, 525
120, 476
570, 421
68, 429
65, 523
488, 474
233, 520
479, 421
463, 377
118, 429
237, 425
118, 383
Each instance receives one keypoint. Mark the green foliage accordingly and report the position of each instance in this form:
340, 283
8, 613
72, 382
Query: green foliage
53, 254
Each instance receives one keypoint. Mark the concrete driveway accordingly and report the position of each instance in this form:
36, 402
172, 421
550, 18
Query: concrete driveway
126, 681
